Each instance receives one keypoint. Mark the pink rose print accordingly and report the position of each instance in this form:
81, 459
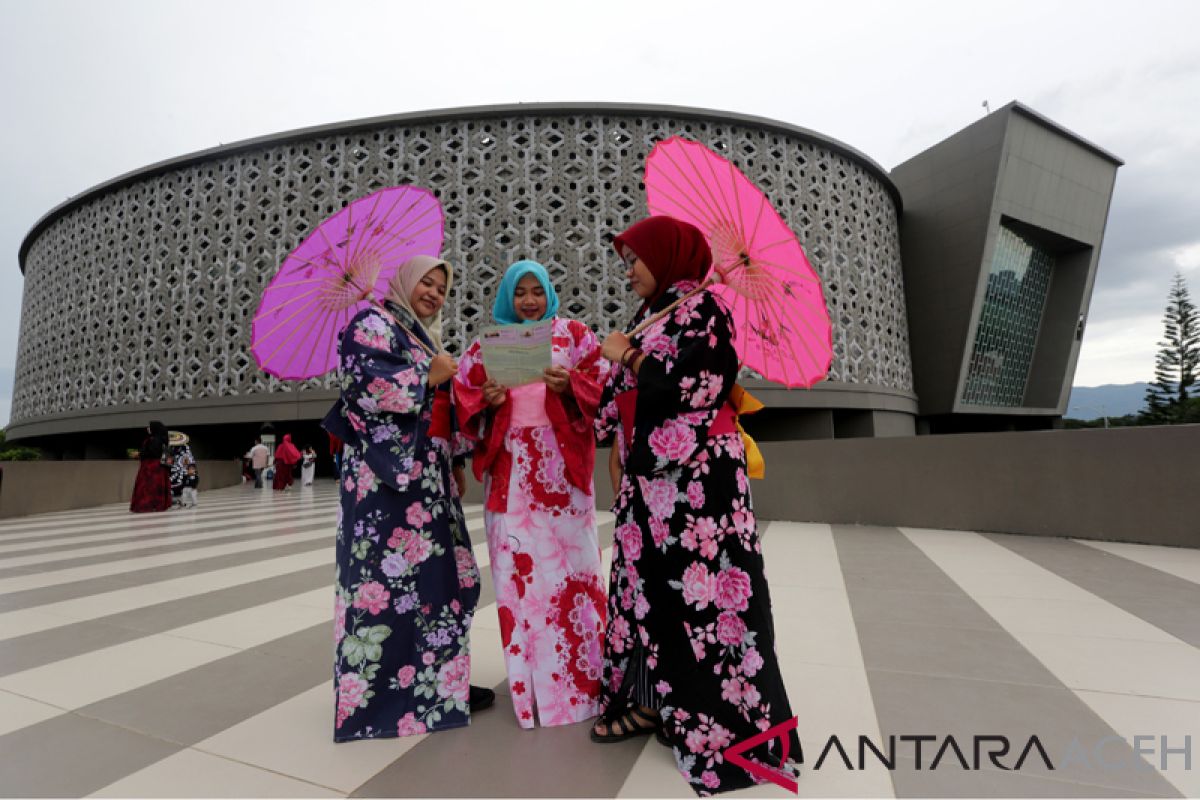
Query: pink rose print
696, 740
417, 516
352, 690
710, 779
428, 658
630, 537
701, 534
730, 628
674, 441
408, 725
733, 590
372, 596
366, 480
660, 495
339, 619
467, 573
452, 678
698, 586
641, 607
719, 738
405, 676
695, 494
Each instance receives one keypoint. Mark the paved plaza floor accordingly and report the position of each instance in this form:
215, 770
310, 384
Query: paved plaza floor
189, 654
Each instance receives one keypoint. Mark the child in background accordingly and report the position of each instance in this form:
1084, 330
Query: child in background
189, 491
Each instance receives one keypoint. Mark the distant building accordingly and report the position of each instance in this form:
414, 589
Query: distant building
957, 285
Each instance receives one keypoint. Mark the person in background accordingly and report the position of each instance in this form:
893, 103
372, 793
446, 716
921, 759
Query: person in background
287, 457
191, 486
152, 487
309, 466
260, 457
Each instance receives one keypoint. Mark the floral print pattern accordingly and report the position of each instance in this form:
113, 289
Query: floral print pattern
687, 592
545, 557
407, 583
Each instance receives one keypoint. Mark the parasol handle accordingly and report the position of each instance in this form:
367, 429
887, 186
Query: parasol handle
646, 323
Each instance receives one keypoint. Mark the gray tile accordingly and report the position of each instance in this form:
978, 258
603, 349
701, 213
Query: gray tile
31, 598
43, 647
507, 761
992, 655
918, 608
921, 704
71, 756
193, 705
1164, 600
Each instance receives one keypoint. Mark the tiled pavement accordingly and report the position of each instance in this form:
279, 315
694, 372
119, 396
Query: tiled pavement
188, 654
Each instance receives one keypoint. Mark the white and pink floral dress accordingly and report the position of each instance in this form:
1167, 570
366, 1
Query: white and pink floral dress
535, 456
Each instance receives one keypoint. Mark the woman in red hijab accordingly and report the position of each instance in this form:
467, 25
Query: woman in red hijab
286, 459
690, 645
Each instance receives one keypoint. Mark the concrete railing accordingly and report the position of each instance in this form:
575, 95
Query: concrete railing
34, 487
1124, 484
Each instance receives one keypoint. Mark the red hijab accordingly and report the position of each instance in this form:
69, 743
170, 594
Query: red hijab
286, 451
672, 250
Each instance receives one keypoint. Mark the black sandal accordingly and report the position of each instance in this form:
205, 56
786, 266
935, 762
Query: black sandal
634, 722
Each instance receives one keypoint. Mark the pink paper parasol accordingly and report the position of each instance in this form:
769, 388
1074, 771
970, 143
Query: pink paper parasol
759, 268
342, 266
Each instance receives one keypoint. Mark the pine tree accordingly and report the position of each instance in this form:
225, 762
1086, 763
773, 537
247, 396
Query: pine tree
1177, 360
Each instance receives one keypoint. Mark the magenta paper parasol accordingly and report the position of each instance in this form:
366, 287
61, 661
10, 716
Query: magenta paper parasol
342, 266
759, 268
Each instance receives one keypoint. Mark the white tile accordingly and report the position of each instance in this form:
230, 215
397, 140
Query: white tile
801, 554
20, 712
1151, 669
1155, 717
190, 773
295, 738
1074, 617
1181, 562
80, 680
816, 625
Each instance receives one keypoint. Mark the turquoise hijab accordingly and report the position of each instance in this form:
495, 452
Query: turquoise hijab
504, 311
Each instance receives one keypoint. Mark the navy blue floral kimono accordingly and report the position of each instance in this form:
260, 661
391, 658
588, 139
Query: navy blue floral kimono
407, 582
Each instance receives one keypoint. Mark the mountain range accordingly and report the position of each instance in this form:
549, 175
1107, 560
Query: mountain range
1113, 400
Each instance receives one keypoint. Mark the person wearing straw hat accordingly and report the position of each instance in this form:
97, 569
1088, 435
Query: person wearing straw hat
690, 644
535, 456
407, 583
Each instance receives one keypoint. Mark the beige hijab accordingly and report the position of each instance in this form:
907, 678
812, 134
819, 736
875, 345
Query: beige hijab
400, 289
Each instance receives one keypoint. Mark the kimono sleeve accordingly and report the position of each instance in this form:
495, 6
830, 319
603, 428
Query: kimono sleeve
690, 368
588, 369
469, 405
380, 375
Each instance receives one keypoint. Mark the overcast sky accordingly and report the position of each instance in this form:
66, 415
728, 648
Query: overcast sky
94, 89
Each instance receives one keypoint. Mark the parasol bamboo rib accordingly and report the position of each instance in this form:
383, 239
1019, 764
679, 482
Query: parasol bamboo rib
711, 214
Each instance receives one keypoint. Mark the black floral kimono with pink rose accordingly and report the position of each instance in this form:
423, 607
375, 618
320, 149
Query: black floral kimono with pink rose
407, 582
689, 610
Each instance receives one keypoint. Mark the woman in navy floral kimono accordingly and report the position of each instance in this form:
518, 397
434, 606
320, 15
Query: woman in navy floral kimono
690, 645
407, 583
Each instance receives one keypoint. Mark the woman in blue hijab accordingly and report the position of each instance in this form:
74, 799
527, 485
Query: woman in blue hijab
534, 453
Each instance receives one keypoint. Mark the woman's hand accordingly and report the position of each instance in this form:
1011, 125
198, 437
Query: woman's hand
460, 478
494, 394
558, 379
615, 473
615, 346
442, 368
